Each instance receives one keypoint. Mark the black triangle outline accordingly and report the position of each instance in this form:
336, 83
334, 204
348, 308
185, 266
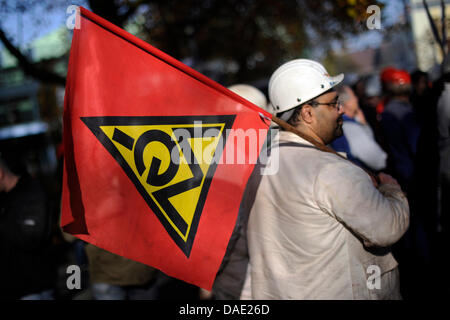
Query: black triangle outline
94, 124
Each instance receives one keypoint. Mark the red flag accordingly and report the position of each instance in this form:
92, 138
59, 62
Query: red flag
153, 166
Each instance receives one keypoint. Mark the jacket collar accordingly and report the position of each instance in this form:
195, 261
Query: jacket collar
286, 136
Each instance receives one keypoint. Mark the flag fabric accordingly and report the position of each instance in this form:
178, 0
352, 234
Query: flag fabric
153, 166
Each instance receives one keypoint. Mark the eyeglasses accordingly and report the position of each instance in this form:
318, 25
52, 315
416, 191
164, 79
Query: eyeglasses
335, 104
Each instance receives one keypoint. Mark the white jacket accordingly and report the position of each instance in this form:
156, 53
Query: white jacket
308, 223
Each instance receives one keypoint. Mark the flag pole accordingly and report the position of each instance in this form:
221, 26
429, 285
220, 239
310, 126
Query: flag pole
319, 145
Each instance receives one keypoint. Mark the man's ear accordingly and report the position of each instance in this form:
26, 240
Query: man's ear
306, 114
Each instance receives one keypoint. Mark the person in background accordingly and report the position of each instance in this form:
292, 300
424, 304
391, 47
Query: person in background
358, 141
114, 277
424, 101
373, 98
387, 77
400, 126
420, 84
441, 93
402, 130
443, 115
367, 90
27, 265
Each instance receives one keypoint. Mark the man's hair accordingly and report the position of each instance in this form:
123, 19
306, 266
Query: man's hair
417, 74
291, 115
294, 119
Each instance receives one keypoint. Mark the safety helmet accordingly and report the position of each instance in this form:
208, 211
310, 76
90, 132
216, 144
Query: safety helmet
386, 74
250, 93
395, 81
299, 81
395, 76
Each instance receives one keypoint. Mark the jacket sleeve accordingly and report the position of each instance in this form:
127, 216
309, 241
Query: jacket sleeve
378, 216
364, 147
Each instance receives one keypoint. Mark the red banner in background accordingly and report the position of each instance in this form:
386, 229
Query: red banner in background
157, 155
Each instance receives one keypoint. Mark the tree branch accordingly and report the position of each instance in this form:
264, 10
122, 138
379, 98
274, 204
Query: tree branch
30, 68
110, 11
433, 27
443, 26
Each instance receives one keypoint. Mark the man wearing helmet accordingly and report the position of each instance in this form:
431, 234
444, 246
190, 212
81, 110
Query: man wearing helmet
320, 228
400, 126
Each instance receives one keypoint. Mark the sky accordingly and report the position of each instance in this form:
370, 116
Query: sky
24, 28
391, 13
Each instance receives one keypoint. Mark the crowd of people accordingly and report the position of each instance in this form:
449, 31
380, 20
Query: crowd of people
409, 129
313, 230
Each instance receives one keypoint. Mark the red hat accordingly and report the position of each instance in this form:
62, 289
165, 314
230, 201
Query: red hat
395, 76
386, 73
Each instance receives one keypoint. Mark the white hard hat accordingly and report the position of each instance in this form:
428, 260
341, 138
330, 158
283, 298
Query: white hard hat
250, 93
299, 81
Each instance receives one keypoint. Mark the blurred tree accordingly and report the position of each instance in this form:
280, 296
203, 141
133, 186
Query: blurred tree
251, 37
29, 25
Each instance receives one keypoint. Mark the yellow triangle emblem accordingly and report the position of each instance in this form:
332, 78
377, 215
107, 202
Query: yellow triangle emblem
170, 160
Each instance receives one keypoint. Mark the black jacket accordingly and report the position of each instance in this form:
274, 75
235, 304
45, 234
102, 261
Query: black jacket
26, 263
